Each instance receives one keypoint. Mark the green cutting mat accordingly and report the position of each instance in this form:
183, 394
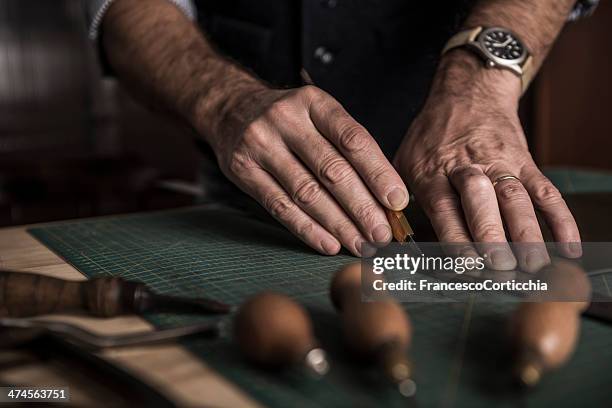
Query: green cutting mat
459, 349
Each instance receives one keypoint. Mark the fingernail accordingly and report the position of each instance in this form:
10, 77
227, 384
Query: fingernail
575, 248
368, 250
468, 252
397, 198
358, 244
364, 249
502, 260
535, 260
330, 246
382, 233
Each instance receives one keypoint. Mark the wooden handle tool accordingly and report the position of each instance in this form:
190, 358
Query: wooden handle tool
29, 294
544, 334
274, 331
379, 330
401, 229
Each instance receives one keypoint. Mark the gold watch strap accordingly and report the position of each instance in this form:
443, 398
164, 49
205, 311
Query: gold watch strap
467, 36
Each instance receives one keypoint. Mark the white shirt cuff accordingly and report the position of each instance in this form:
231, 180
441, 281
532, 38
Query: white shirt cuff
97, 10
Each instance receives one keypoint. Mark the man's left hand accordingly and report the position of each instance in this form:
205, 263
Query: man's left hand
467, 136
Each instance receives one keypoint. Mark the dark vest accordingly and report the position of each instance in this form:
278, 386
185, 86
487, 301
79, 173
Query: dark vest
375, 56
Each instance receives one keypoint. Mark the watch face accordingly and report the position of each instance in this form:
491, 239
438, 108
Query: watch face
502, 44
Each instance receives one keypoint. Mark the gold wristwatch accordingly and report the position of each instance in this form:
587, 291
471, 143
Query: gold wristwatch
499, 48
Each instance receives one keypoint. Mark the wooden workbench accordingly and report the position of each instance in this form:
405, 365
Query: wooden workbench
184, 378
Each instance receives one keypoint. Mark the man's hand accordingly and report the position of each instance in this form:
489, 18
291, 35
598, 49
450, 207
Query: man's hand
466, 137
297, 152
311, 165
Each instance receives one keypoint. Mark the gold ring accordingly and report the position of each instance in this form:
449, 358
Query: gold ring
505, 177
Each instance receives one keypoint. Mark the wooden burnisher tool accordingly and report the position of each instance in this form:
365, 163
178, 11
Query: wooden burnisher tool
274, 331
30, 294
378, 330
544, 334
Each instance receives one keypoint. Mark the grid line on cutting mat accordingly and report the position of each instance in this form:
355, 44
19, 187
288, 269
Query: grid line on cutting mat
226, 255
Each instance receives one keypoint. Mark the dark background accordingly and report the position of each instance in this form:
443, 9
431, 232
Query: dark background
73, 144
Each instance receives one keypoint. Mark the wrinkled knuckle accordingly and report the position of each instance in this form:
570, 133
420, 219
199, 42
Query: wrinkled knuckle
487, 232
378, 174
279, 206
277, 110
511, 190
416, 175
305, 229
308, 192
547, 194
310, 92
476, 184
566, 222
527, 233
255, 137
336, 170
344, 229
366, 213
353, 137
240, 164
284, 108
442, 204
454, 234
466, 171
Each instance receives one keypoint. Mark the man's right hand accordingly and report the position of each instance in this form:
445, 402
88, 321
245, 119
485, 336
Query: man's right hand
312, 167
297, 152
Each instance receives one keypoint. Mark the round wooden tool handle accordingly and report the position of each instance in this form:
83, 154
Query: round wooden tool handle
273, 330
545, 333
368, 325
28, 294
544, 336
379, 330
346, 285
567, 282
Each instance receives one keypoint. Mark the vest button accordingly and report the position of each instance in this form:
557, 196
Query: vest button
324, 55
329, 3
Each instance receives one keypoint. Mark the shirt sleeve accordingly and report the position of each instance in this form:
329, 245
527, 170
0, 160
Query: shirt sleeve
96, 9
582, 8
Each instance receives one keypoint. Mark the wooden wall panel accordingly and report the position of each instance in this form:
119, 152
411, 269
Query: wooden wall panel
572, 105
